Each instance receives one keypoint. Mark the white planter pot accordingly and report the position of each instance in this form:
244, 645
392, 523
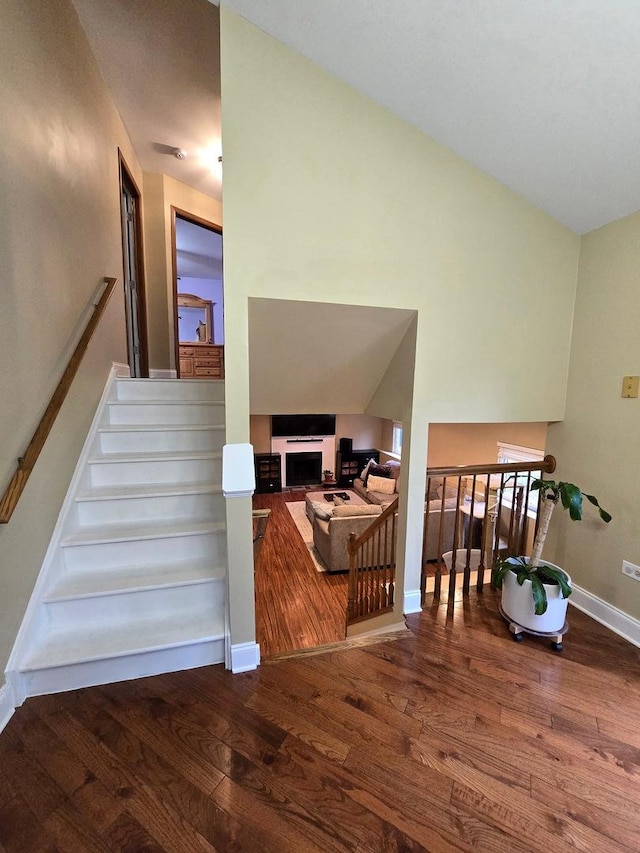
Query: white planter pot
517, 604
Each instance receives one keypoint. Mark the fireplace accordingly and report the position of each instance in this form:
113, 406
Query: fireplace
302, 469
304, 458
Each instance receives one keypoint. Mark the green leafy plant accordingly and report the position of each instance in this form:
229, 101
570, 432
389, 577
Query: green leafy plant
552, 493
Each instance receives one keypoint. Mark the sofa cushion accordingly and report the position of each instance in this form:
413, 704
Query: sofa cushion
436, 504
360, 509
384, 485
338, 501
322, 509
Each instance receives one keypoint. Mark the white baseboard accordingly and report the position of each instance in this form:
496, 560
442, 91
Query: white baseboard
412, 601
245, 657
6, 706
616, 620
162, 373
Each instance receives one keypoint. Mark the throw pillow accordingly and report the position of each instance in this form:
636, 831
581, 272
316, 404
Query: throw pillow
358, 509
338, 501
379, 470
322, 509
365, 471
384, 485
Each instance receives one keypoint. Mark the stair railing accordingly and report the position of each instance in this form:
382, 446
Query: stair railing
372, 567
26, 463
260, 517
476, 513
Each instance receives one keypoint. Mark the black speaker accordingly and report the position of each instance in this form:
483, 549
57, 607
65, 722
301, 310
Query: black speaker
346, 445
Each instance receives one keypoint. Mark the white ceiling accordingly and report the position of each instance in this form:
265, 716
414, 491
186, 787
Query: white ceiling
542, 94
198, 251
160, 60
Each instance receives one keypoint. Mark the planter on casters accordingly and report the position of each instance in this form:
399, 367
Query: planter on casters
518, 608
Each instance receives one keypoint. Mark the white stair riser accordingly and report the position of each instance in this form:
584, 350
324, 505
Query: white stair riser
160, 441
146, 552
151, 508
139, 472
207, 414
170, 389
135, 665
151, 603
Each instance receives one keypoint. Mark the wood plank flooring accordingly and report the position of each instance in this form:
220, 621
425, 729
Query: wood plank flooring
453, 738
296, 606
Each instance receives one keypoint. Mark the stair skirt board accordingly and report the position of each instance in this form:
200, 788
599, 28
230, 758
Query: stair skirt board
140, 664
134, 579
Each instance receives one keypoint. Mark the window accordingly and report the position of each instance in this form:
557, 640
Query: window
511, 453
396, 438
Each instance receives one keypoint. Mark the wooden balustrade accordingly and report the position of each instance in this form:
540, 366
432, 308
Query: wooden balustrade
372, 567
260, 517
26, 463
479, 512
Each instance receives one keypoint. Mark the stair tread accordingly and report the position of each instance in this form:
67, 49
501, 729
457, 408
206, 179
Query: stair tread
156, 428
131, 579
154, 456
160, 401
119, 532
100, 493
97, 643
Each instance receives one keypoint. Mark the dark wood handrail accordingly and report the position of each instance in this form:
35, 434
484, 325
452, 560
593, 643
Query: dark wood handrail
548, 465
26, 463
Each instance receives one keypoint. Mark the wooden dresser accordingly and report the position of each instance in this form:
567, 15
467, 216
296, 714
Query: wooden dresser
201, 361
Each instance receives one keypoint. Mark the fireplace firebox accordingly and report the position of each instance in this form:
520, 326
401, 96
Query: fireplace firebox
304, 469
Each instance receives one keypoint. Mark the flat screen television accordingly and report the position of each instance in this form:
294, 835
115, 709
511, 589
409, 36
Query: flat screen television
284, 425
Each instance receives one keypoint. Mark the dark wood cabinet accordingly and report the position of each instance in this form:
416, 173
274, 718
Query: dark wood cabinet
349, 465
268, 472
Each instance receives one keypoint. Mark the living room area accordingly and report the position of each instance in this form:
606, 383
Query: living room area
301, 575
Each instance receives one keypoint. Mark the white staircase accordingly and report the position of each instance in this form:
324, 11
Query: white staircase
134, 582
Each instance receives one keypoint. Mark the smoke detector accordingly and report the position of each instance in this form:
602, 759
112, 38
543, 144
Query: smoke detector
179, 153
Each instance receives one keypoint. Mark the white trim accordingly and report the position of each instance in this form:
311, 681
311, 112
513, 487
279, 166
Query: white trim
412, 599
161, 373
238, 471
245, 657
28, 627
6, 706
606, 614
122, 371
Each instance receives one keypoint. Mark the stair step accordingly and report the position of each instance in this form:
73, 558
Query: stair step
170, 413
132, 579
118, 504
170, 389
117, 546
145, 438
118, 607
65, 646
155, 468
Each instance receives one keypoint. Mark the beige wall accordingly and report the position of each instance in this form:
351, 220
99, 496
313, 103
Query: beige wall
329, 197
59, 205
160, 194
363, 429
475, 444
597, 445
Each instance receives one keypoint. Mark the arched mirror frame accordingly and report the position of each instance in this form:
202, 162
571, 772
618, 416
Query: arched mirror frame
189, 300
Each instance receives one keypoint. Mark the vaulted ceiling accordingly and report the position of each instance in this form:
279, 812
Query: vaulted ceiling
542, 96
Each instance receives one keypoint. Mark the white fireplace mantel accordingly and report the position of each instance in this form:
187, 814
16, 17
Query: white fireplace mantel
305, 444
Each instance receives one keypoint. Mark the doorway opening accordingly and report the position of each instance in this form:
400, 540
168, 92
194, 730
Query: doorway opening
133, 266
198, 297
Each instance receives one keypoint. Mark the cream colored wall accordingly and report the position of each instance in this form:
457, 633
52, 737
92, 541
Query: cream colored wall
597, 444
161, 193
473, 444
59, 205
329, 197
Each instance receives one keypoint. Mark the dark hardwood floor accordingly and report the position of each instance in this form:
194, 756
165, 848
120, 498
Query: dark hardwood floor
296, 606
451, 738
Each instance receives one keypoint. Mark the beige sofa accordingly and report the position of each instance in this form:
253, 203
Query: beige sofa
331, 535
442, 517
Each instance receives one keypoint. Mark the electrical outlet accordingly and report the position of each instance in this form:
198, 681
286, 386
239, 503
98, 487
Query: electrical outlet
631, 570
